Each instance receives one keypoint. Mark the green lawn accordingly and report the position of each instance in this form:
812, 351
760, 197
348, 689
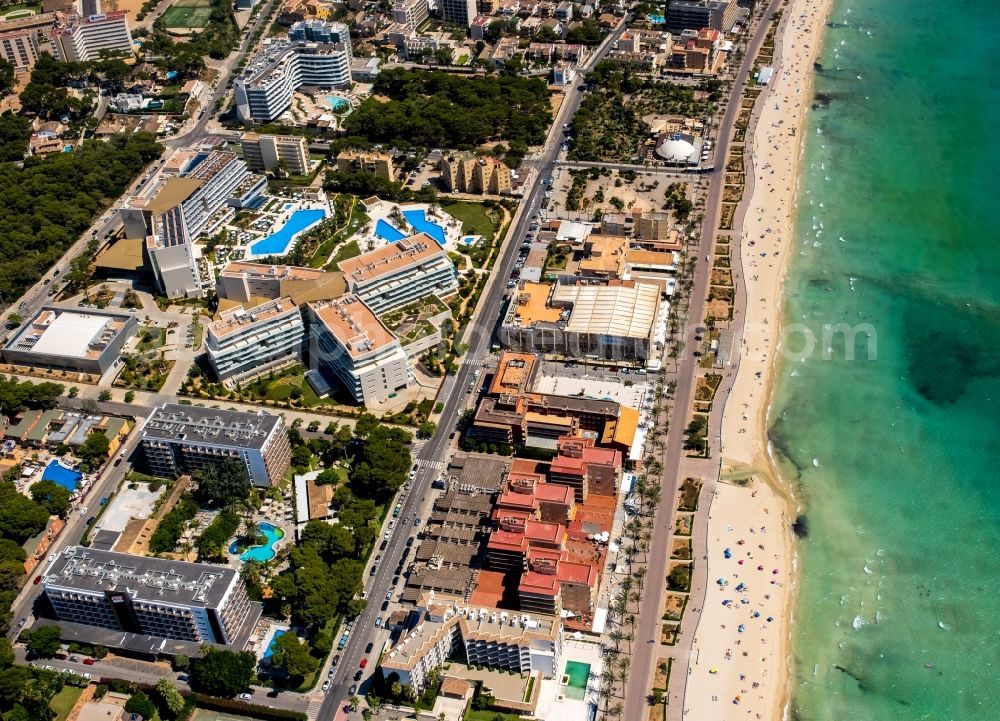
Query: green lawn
156, 338
62, 703
348, 250
476, 218
281, 389
187, 16
492, 716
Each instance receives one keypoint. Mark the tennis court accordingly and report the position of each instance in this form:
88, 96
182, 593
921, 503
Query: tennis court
190, 14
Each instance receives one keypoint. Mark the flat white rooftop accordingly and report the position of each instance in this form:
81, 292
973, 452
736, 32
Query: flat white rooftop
70, 334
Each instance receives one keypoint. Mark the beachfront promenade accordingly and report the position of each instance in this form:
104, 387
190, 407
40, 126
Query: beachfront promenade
685, 652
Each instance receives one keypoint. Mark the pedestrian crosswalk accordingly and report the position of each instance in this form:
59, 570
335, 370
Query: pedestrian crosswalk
314, 707
433, 465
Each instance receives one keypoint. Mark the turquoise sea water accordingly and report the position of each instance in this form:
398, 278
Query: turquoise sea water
897, 459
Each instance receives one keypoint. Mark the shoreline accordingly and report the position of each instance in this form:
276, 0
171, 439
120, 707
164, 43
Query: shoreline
731, 677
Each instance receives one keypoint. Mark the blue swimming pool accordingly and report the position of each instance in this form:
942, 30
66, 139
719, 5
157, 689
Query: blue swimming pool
65, 477
261, 553
339, 105
469, 240
387, 232
418, 219
278, 633
278, 243
658, 19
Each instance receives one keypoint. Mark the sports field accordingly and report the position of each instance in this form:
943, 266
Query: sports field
188, 14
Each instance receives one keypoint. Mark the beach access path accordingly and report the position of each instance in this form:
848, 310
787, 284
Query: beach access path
646, 648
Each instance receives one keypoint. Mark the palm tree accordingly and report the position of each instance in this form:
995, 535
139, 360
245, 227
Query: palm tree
617, 709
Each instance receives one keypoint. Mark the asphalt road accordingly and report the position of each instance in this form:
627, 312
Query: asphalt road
646, 648
108, 482
454, 397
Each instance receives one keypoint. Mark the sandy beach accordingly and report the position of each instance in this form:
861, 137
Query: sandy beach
742, 652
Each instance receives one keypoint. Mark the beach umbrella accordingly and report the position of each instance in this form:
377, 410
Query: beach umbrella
756, 614
775, 571
721, 581
727, 553
713, 670
770, 618
726, 602
740, 628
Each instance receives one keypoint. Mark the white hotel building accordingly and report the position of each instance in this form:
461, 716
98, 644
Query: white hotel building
82, 39
194, 193
349, 345
265, 89
399, 273
162, 598
244, 343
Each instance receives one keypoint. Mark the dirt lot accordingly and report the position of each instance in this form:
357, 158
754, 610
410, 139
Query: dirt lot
612, 193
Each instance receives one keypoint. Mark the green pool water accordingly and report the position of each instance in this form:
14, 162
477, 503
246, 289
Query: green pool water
576, 679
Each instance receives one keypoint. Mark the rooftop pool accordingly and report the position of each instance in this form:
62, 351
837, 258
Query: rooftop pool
277, 244
575, 680
261, 553
65, 477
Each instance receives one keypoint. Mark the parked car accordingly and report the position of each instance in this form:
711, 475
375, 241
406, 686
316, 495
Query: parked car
246, 696
90, 662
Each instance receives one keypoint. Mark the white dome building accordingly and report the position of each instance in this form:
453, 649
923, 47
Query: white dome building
678, 149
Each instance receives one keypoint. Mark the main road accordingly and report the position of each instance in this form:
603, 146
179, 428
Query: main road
646, 648
106, 483
453, 392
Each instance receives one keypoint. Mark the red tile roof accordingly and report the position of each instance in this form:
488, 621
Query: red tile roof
543, 531
507, 541
573, 572
554, 492
539, 583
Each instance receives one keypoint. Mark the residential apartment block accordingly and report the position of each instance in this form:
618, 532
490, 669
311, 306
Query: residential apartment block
399, 273
362, 161
162, 598
264, 91
178, 438
350, 346
697, 14
268, 152
467, 173
461, 12
20, 48
511, 413
244, 343
409, 13
586, 468
23, 38
82, 39
496, 639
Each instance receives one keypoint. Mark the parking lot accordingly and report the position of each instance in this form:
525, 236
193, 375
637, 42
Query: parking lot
624, 386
